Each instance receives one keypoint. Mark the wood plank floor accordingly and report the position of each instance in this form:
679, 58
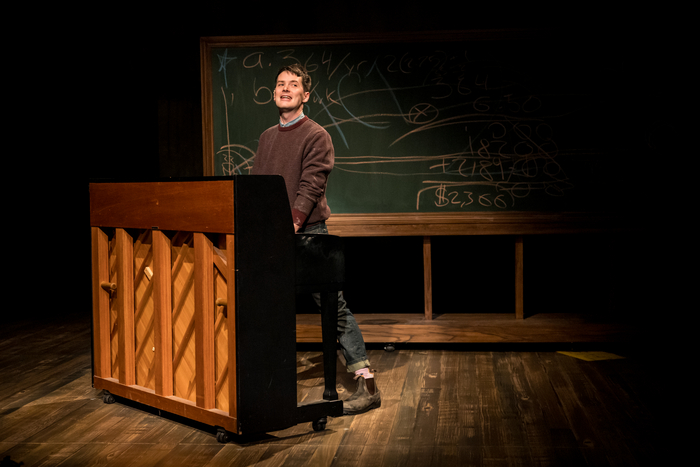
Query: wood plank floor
461, 328
440, 406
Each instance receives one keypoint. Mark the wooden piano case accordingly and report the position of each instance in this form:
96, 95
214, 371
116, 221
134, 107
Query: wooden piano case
193, 301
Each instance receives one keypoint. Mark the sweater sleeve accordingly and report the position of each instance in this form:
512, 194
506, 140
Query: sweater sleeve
317, 164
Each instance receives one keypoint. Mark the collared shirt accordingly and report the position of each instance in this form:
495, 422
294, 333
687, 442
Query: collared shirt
284, 125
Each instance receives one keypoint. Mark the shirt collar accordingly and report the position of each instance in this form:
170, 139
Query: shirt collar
284, 125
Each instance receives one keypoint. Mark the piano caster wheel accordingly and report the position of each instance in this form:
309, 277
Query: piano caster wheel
222, 435
389, 347
108, 398
320, 424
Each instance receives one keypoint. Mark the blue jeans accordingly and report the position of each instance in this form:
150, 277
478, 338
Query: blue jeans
349, 335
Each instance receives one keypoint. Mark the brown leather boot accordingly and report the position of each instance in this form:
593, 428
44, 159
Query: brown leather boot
367, 397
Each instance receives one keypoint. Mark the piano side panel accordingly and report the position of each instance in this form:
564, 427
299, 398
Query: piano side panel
265, 305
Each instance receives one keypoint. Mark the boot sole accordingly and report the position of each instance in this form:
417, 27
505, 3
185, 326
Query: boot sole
374, 405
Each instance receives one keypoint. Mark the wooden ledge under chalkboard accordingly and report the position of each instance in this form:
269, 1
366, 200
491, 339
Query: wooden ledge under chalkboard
474, 223
516, 224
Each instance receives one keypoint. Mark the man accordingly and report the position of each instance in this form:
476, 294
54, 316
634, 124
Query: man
302, 152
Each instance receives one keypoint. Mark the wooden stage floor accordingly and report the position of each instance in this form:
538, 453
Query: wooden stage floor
441, 406
483, 328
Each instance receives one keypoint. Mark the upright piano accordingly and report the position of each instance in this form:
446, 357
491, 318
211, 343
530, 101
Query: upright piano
193, 285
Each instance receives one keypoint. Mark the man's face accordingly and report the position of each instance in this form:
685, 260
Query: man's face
289, 92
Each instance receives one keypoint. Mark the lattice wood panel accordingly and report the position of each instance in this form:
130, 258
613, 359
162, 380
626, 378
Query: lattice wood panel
113, 310
221, 334
159, 351
183, 320
143, 310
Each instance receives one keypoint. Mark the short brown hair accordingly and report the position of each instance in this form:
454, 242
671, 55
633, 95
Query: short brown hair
298, 70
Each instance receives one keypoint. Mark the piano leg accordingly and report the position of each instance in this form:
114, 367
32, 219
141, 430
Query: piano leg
329, 325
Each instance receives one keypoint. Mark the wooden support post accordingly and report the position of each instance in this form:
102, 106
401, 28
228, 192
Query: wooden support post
100, 303
231, 322
162, 309
204, 321
427, 279
519, 306
125, 307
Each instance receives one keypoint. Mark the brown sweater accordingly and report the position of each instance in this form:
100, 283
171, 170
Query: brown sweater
303, 155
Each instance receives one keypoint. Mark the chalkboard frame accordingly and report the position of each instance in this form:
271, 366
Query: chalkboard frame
409, 224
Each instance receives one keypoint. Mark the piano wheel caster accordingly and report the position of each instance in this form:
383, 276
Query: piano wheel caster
108, 398
222, 435
389, 347
320, 424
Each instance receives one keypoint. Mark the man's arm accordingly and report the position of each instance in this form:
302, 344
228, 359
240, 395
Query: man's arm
316, 167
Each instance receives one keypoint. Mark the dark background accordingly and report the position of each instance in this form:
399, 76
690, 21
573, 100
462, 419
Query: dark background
130, 107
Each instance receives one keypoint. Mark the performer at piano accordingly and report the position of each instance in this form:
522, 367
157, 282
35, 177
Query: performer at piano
301, 151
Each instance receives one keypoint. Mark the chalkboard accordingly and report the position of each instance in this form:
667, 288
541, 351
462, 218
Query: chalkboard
424, 124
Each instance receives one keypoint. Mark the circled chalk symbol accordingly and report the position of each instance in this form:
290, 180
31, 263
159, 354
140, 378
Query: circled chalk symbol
422, 113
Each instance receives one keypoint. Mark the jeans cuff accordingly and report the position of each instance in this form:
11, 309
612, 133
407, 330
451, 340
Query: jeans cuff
358, 366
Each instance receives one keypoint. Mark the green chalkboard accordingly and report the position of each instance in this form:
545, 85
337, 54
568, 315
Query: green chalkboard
445, 123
